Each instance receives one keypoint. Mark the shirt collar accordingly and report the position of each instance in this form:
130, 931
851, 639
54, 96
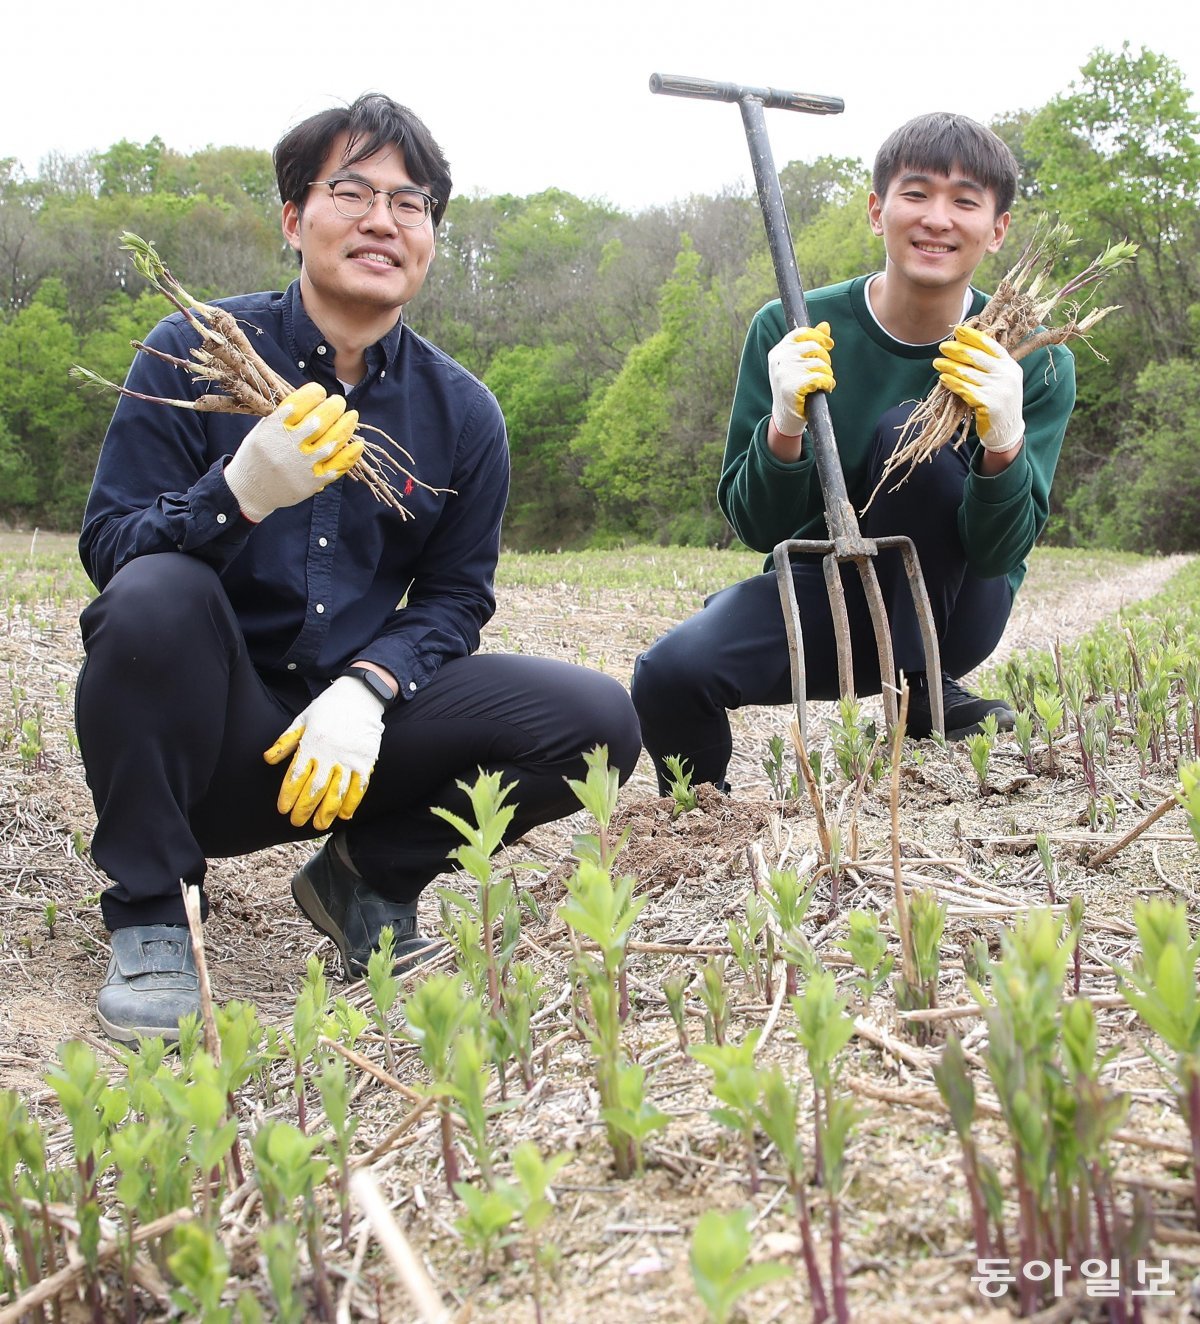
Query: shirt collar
311, 345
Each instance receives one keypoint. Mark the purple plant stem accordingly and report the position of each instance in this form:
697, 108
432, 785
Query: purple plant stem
820, 1302
837, 1270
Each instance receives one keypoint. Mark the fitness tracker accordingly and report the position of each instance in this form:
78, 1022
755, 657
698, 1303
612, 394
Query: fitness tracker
375, 683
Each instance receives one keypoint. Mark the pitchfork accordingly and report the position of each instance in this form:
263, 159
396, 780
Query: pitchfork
845, 542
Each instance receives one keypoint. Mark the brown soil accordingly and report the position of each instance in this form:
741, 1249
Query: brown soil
623, 1245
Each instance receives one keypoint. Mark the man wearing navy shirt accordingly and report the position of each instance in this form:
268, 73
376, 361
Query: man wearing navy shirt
275, 653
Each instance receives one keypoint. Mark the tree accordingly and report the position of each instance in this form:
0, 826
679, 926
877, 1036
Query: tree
40, 413
653, 438
1119, 158
809, 187
1146, 498
542, 407
130, 167
24, 263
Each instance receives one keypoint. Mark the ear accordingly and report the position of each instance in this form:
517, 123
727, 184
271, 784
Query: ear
999, 231
290, 224
875, 212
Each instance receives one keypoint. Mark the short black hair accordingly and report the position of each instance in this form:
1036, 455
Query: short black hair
946, 144
370, 123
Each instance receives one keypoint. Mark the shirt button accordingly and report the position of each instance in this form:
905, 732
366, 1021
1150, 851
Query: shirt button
320, 608
299, 363
322, 542
220, 519
291, 666
320, 349
383, 374
412, 685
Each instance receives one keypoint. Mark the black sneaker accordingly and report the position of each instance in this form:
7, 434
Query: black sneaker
338, 903
964, 712
151, 984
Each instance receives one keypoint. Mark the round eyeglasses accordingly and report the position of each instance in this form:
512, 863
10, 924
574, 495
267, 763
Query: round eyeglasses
353, 198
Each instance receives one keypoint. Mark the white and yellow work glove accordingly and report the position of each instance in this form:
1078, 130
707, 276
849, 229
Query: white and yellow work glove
798, 366
293, 453
334, 743
983, 374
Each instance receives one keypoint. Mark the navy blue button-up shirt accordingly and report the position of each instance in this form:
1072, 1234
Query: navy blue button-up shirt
341, 576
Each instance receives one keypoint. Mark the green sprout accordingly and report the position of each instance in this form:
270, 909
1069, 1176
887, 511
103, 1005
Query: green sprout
719, 1253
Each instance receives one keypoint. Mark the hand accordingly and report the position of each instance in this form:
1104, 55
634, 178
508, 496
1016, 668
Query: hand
981, 372
798, 366
293, 453
335, 742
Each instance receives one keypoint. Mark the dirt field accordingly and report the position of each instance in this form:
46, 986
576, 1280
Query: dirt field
623, 1245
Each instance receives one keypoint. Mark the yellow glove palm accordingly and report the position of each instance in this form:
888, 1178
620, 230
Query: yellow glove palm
297, 450
334, 743
798, 366
982, 373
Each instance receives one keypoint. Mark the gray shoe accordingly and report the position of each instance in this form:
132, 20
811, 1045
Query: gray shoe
151, 983
338, 903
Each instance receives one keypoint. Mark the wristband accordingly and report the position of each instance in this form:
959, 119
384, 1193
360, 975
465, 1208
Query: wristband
375, 683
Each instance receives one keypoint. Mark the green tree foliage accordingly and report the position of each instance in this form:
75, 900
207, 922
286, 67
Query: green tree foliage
652, 440
612, 339
1146, 498
37, 347
1118, 155
543, 406
128, 168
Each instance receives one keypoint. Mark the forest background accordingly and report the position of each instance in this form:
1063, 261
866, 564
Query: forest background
612, 339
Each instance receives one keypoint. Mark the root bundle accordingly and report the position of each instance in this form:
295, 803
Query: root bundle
241, 382
1016, 317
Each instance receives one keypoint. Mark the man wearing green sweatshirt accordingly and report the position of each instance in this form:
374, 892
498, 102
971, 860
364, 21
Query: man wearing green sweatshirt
942, 186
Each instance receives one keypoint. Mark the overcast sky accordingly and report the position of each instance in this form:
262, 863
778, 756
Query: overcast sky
524, 95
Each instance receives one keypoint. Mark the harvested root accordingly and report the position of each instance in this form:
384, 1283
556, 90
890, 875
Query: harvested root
1016, 317
242, 382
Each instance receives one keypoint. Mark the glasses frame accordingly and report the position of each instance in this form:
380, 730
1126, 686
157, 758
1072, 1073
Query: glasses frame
430, 201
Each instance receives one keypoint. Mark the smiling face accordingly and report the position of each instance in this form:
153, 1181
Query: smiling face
936, 228
362, 270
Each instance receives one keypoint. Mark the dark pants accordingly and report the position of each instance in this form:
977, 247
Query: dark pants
173, 720
735, 651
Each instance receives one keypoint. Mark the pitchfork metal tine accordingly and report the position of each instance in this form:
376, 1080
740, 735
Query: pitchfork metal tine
845, 542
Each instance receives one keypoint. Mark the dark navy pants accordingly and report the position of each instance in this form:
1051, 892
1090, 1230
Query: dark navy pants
173, 719
735, 651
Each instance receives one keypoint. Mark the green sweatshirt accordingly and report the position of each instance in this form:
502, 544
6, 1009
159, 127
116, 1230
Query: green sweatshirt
767, 501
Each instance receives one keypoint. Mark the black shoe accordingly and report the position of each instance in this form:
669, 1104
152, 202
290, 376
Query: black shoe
338, 903
151, 983
964, 712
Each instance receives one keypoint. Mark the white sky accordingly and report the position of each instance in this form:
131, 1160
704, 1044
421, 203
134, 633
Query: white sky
524, 95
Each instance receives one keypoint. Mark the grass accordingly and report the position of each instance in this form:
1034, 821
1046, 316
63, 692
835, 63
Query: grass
44, 563
333, 1065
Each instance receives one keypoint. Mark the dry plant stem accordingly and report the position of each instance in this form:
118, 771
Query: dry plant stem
814, 793
907, 962
394, 1136
48, 1288
409, 1269
931, 1101
354, 1276
191, 906
1103, 856
365, 1064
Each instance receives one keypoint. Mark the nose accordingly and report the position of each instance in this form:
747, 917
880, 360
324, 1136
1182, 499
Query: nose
378, 215
937, 214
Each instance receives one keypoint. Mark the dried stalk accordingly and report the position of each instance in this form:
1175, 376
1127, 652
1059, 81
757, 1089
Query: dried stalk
242, 381
1015, 317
